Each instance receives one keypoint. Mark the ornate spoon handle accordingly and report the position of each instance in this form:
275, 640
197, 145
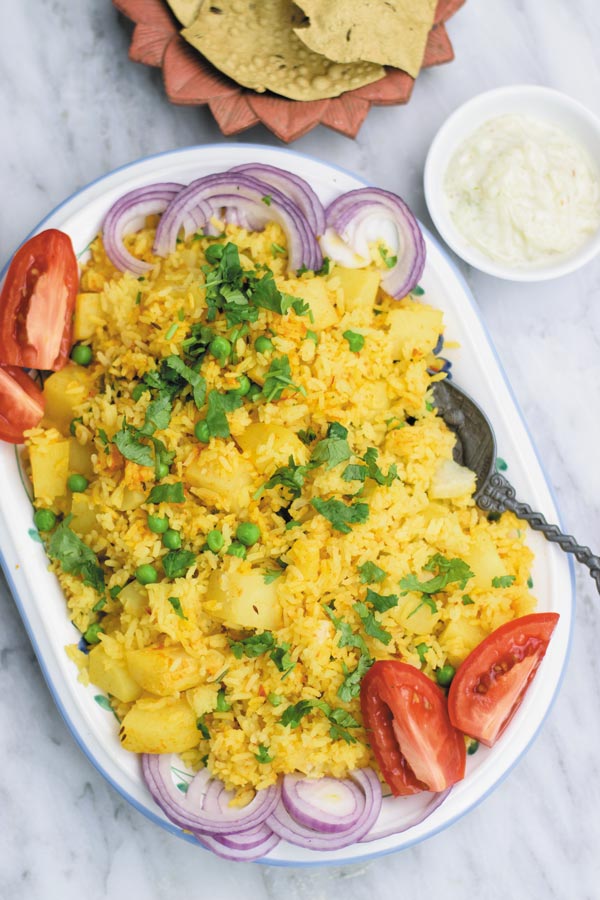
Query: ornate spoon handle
498, 495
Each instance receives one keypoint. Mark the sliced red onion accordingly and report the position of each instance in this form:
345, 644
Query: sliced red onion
324, 804
294, 187
363, 216
234, 847
403, 813
208, 196
127, 215
290, 830
205, 806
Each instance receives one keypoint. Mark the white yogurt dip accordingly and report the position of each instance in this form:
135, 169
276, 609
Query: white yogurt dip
522, 191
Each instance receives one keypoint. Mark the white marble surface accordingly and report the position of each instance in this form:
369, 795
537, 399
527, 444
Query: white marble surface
72, 107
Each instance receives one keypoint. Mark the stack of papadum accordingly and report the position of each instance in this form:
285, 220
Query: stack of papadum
308, 50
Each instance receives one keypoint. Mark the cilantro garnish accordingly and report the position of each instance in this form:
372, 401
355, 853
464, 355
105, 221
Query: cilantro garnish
218, 406
263, 755
333, 449
75, 556
370, 469
390, 261
466, 600
290, 477
177, 562
257, 644
222, 704
172, 331
340, 514
422, 650
503, 581
449, 571
347, 637
277, 248
350, 686
325, 267
381, 602
176, 604
355, 340
370, 573
167, 493
200, 725
267, 199
129, 444
340, 720
371, 623
278, 378
188, 375
271, 575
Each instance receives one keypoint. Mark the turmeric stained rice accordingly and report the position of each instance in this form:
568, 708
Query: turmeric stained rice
291, 446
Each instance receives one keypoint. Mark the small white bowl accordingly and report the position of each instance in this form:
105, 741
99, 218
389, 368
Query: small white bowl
528, 100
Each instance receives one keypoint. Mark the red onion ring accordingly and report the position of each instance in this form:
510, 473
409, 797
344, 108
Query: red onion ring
232, 846
416, 811
290, 830
309, 802
294, 187
190, 810
123, 216
207, 196
349, 212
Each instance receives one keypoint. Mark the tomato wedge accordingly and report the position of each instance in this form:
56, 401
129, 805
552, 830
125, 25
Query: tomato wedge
37, 303
491, 683
21, 404
410, 733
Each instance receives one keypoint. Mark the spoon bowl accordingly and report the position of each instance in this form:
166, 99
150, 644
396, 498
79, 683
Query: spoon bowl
475, 448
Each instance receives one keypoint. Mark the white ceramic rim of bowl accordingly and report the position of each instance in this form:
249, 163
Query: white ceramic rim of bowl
539, 102
41, 603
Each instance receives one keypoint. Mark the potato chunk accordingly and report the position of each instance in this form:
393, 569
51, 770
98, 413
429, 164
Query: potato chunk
163, 671
87, 316
451, 480
314, 292
50, 469
359, 286
223, 483
80, 458
63, 391
485, 562
160, 728
239, 598
270, 446
84, 514
112, 675
414, 330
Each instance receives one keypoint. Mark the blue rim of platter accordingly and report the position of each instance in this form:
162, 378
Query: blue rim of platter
165, 824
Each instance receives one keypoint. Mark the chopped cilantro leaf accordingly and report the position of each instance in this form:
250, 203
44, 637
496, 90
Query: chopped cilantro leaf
176, 604
422, 650
271, 575
370, 573
275, 699
333, 449
425, 601
355, 341
200, 725
128, 443
267, 199
75, 556
293, 714
177, 562
218, 406
222, 704
277, 248
390, 261
312, 336
263, 755
278, 378
281, 657
371, 624
503, 581
381, 602
340, 514
347, 637
172, 331
193, 378
290, 477
449, 571
253, 646
466, 600
325, 267
350, 686
167, 493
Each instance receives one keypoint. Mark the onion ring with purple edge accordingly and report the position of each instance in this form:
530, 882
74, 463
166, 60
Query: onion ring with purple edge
189, 810
239, 853
130, 210
294, 187
353, 217
413, 816
248, 196
287, 828
324, 804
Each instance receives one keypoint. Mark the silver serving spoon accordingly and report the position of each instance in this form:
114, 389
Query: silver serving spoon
476, 449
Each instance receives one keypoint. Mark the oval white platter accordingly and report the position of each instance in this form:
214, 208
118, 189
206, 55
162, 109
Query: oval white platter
476, 368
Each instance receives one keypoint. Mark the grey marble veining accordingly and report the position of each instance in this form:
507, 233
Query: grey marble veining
72, 107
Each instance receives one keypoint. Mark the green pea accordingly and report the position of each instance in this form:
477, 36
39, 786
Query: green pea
157, 525
472, 746
236, 549
162, 470
220, 348
215, 540
263, 344
77, 484
247, 533
91, 636
146, 574
445, 675
172, 539
82, 354
44, 519
243, 387
202, 431
254, 392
